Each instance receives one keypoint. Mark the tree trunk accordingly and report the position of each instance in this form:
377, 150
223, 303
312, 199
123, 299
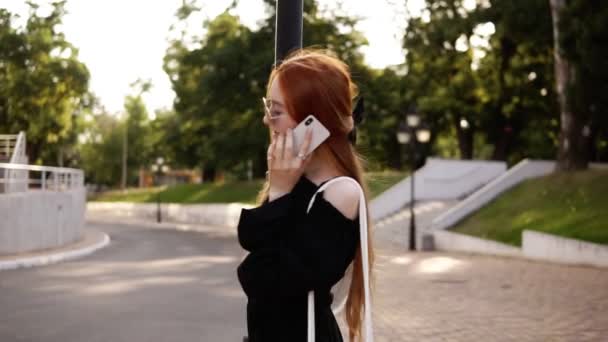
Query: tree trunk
573, 151
502, 134
208, 173
465, 141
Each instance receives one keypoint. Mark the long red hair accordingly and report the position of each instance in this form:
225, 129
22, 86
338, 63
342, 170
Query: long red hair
316, 82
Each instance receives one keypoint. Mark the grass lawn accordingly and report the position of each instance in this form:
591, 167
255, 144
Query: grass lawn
570, 205
227, 192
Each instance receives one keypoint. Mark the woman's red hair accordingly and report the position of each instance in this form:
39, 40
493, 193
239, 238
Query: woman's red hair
314, 82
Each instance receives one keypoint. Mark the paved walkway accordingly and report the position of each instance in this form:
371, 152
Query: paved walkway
455, 297
170, 285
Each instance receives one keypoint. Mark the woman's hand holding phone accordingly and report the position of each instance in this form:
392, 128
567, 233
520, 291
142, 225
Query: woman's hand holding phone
285, 165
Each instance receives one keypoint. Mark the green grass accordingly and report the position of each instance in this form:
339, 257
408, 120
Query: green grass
378, 182
569, 205
227, 192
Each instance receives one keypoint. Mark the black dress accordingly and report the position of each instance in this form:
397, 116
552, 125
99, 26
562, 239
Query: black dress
291, 253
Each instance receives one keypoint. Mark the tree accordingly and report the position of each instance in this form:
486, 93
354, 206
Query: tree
440, 80
580, 33
572, 149
100, 147
43, 85
517, 76
219, 83
136, 137
495, 94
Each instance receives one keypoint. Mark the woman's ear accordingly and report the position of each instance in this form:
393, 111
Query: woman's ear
350, 123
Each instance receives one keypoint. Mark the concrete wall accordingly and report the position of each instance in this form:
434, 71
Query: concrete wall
535, 246
541, 246
439, 179
455, 242
37, 220
205, 214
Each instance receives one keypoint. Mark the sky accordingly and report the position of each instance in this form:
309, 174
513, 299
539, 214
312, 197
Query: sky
123, 40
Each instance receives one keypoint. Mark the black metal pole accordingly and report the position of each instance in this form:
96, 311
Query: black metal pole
288, 30
412, 195
158, 213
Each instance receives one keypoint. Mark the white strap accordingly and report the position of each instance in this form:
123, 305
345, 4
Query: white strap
369, 333
311, 316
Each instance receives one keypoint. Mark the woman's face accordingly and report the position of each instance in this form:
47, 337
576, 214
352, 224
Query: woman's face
277, 118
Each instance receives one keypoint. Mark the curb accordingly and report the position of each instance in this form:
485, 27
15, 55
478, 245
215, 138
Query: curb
52, 258
179, 226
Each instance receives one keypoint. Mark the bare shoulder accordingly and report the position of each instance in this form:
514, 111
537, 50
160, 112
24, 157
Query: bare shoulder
344, 196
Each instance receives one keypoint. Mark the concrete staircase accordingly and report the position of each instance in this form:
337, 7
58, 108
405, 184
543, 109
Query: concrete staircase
438, 180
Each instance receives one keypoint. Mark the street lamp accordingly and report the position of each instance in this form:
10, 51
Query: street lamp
413, 132
159, 168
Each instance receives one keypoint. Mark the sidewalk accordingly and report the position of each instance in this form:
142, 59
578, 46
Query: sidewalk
433, 296
438, 296
91, 241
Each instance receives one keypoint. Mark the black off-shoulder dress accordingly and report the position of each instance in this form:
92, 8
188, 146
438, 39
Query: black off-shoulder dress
291, 253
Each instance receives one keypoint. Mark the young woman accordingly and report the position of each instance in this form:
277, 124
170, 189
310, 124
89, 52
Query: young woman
292, 252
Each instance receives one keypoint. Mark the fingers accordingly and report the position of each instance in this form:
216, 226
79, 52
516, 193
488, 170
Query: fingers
306, 143
282, 154
271, 152
280, 148
288, 153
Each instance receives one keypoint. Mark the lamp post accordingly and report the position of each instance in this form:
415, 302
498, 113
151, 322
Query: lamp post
412, 131
288, 30
159, 168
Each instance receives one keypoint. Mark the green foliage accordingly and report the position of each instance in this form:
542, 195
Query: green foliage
103, 136
439, 79
139, 147
100, 149
518, 75
219, 82
499, 95
569, 205
380, 181
43, 85
217, 93
228, 192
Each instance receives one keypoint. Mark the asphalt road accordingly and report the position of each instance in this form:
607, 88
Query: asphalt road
147, 285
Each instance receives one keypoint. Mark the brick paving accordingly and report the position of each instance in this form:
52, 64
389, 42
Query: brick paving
450, 297
434, 296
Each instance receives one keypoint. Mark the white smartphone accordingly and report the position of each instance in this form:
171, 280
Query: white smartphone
319, 134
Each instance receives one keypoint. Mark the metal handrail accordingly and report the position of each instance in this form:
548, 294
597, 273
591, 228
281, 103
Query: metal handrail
16, 178
8, 143
19, 150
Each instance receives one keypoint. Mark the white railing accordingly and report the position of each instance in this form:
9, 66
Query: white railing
7, 145
22, 177
19, 156
12, 148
